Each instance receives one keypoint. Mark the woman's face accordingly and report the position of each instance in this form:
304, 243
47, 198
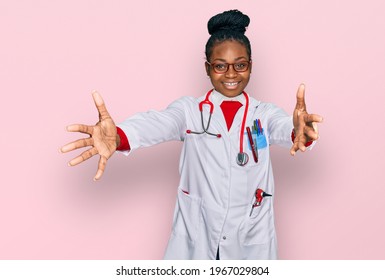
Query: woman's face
230, 83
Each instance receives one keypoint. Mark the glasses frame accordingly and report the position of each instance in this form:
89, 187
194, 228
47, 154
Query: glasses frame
212, 65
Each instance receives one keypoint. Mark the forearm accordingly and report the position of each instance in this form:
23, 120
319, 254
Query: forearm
153, 127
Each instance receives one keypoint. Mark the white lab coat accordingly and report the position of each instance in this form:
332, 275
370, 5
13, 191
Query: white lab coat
215, 194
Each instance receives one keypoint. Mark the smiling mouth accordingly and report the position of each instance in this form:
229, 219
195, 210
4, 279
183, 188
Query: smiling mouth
231, 85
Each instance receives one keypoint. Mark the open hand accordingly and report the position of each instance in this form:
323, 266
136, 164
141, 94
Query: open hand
305, 125
103, 138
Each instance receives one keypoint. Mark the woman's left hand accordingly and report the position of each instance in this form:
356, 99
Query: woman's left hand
305, 125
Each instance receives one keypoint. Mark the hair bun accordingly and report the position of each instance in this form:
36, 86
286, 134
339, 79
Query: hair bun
232, 20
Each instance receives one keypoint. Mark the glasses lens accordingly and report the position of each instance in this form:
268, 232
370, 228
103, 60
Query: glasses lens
241, 66
220, 67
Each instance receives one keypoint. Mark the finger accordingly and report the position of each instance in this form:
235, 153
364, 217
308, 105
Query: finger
315, 127
299, 142
81, 143
311, 133
294, 149
301, 146
101, 166
99, 103
299, 122
84, 156
80, 128
301, 98
308, 118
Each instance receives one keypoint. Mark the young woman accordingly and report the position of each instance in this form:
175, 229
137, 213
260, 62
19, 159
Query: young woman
224, 206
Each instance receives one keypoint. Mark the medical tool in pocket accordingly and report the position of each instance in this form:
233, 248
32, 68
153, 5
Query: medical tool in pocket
258, 196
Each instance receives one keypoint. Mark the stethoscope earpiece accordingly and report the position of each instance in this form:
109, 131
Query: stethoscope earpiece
188, 131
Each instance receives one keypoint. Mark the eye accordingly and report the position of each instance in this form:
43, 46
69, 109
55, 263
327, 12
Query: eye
241, 65
220, 66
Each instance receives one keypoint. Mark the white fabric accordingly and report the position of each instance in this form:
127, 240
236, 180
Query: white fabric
215, 212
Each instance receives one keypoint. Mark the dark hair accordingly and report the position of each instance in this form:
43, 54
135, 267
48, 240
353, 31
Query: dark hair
229, 25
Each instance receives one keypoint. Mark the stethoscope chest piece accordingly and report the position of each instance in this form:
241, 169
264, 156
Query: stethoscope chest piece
242, 159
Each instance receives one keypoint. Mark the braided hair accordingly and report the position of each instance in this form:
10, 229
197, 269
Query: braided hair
229, 25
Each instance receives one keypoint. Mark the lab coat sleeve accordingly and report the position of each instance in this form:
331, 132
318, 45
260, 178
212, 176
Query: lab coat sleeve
279, 125
153, 127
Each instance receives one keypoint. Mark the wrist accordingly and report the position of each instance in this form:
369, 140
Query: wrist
117, 140
122, 143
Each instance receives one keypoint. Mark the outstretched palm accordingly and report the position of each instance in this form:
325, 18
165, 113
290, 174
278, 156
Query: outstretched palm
103, 138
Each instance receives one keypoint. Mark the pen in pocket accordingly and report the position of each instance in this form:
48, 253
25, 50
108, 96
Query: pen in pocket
253, 144
258, 127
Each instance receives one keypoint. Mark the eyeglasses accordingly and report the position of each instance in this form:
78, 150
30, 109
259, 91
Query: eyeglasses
222, 67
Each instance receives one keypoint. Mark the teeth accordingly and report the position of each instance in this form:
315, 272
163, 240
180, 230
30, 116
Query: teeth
231, 84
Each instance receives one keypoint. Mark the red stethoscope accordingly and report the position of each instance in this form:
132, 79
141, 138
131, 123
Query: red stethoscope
242, 157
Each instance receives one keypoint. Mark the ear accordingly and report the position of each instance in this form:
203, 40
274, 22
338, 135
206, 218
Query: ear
207, 66
251, 65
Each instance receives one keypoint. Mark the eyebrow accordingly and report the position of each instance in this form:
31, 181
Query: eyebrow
238, 58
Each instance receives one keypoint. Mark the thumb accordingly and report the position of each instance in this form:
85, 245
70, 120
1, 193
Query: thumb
301, 98
99, 103
97, 98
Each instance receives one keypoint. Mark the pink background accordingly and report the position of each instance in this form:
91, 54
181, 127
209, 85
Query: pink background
142, 55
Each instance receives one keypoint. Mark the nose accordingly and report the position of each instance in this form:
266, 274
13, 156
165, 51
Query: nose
231, 73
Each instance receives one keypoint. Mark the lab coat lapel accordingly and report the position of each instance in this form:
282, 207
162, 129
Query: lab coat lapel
237, 122
253, 105
218, 118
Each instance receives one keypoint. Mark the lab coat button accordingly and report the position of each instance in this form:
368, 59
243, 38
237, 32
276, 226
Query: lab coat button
224, 237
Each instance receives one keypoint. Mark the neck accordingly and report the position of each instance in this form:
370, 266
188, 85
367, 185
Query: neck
221, 97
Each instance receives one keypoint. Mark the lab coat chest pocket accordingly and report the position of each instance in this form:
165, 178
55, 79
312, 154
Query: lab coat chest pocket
187, 217
261, 150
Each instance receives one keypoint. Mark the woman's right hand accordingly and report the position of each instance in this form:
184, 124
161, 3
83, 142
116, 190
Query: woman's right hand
103, 138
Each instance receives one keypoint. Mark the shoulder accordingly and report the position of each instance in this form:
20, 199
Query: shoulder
268, 109
266, 106
262, 107
185, 101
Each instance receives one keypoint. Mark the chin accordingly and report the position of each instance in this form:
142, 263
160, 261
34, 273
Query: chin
231, 93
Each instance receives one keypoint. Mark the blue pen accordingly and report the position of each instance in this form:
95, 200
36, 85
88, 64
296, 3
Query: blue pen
260, 126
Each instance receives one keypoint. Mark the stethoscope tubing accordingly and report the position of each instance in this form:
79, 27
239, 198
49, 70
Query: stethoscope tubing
243, 123
205, 129
206, 101
242, 158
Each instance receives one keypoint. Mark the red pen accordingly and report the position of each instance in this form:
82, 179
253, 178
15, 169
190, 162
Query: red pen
252, 144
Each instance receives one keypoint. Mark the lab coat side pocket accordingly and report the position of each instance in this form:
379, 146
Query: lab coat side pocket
258, 228
188, 215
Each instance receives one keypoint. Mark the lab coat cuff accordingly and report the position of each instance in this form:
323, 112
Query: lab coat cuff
124, 144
